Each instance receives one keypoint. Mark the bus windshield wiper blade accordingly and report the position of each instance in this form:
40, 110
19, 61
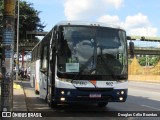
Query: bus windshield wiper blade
107, 66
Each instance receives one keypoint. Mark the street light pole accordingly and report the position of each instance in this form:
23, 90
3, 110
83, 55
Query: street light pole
17, 59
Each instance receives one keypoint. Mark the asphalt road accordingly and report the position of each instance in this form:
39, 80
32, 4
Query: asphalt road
142, 98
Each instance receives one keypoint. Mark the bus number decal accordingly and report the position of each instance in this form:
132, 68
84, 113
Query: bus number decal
109, 84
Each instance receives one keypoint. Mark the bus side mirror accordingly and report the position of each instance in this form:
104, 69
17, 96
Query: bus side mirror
131, 48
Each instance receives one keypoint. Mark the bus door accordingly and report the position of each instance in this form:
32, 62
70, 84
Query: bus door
44, 73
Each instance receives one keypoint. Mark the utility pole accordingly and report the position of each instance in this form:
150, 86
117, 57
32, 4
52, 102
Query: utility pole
7, 55
17, 59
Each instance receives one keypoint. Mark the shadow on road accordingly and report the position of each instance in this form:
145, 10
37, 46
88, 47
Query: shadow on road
35, 104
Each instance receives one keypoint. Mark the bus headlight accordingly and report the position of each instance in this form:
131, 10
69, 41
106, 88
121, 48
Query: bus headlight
121, 98
122, 92
62, 99
62, 92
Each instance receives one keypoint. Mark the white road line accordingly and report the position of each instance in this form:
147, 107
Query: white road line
150, 107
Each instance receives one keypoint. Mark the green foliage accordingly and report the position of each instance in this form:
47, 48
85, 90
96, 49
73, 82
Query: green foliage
142, 61
151, 60
28, 19
1, 5
154, 60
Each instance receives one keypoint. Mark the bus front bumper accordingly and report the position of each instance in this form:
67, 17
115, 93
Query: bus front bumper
95, 96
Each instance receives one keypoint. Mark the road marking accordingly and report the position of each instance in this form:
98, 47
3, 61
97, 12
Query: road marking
150, 107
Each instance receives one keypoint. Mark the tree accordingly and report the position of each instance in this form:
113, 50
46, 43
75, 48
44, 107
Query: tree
142, 61
28, 17
151, 60
28, 20
154, 60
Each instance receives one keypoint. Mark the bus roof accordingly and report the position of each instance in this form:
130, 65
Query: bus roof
86, 23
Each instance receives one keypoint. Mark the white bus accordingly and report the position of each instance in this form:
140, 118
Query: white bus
35, 68
82, 62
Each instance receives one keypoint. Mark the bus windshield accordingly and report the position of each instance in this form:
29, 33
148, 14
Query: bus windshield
92, 51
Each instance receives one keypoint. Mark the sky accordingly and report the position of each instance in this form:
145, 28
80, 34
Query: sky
137, 17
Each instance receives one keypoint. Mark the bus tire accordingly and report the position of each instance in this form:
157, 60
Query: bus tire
52, 104
102, 104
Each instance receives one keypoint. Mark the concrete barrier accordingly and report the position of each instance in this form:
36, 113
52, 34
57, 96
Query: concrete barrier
145, 78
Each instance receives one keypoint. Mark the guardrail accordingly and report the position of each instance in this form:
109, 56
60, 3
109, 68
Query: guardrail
147, 48
146, 51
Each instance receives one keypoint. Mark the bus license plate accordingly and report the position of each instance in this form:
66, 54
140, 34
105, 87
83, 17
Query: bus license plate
95, 95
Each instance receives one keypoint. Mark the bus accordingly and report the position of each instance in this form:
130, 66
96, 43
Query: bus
82, 62
35, 68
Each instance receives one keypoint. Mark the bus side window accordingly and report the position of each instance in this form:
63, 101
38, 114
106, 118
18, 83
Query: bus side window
44, 60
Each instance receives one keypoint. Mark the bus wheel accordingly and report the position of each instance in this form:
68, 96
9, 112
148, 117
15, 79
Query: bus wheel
50, 102
103, 104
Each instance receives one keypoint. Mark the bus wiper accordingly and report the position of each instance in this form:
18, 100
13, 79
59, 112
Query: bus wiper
107, 66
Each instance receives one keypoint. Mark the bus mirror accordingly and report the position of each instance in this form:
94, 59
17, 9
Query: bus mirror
131, 48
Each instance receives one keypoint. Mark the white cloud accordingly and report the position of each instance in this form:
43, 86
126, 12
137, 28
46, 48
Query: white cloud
138, 20
116, 3
143, 31
109, 19
139, 24
136, 25
87, 9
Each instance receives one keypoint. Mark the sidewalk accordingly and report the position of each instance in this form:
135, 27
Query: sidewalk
19, 102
